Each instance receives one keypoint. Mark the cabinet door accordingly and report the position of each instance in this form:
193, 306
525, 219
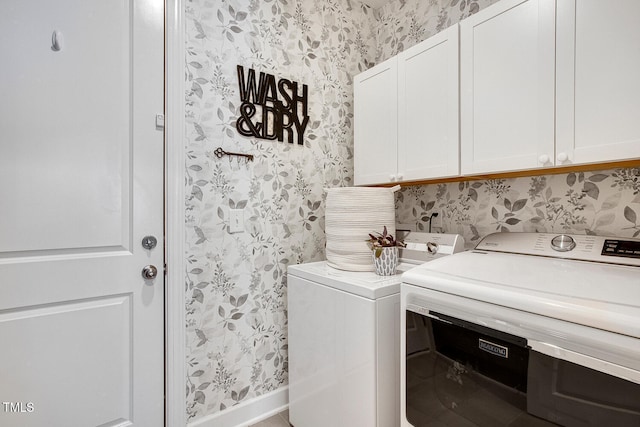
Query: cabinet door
376, 124
598, 89
507, 86
428, 119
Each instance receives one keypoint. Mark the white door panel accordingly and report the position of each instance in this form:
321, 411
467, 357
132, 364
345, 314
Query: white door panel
376, 124
81, 179
598, 101
507, 86
50, 108
428, 119
97, 335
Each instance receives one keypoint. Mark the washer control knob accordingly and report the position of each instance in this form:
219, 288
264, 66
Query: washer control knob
563, 243
432, 248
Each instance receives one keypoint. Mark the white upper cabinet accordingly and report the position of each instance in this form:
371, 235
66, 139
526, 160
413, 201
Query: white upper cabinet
428, 119
520, 85
598, 83
507, 87
406, 114
376, 124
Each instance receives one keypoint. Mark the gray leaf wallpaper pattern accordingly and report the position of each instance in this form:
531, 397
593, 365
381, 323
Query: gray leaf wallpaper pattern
236, 283
602, 203
404, 23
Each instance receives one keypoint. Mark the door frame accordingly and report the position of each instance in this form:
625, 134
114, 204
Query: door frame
175, 334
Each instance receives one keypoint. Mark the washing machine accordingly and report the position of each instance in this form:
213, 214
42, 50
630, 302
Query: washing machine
344, 339
528, 329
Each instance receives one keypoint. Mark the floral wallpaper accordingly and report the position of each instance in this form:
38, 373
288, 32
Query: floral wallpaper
236, 283
404, 23
602, 203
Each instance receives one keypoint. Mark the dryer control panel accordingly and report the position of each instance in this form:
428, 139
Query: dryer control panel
623, 248
422, 247
611, 250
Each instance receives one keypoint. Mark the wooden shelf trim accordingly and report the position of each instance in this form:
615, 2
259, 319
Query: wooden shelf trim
634, 163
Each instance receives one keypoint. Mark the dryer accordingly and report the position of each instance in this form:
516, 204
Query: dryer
528, 329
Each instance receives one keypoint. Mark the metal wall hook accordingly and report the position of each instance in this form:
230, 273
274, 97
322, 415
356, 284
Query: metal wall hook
56, 41
219, 152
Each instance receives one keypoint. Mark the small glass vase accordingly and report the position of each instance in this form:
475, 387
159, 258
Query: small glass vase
387, 262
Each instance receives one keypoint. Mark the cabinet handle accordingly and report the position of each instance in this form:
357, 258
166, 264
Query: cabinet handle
544, 159
399, 177
562, 157
392, 177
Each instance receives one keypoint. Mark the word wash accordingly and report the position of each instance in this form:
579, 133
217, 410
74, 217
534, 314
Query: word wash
282, 112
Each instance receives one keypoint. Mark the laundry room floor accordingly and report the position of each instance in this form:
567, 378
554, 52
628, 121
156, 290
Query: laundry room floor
278, 420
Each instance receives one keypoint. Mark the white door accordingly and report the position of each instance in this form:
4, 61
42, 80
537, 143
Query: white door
507, 59
428, 119
81, 178
598, 90
376, 124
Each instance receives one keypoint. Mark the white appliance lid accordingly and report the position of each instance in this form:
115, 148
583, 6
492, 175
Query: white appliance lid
365, 284
421, 247
599, 295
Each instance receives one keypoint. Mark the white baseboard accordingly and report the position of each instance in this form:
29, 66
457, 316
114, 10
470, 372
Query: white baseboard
249, 412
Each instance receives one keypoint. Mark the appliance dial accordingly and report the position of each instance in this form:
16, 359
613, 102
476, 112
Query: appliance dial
563, 243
